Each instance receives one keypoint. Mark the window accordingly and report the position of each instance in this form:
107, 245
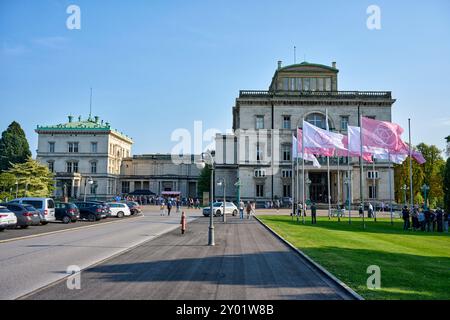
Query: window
286, 152
344, 123
298, 84
306, 82
317, 120
72, 167
313, 84
259, 122
94, 188
73, 147
51, 147
259, 190
327, 84
94, 147
51, 166
286, 84
94, 167
373, 192
125, 186
320, 84
286, 173
287, 190
260, 173
372, 174
286, 122
259, 153
292, 84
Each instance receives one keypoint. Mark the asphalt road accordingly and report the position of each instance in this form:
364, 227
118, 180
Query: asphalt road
247, 263
29, 264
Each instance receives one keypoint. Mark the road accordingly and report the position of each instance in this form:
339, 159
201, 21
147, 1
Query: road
247, 263
31, 263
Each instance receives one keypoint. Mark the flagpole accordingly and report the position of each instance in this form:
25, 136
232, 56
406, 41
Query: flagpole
410, 168
361, 169
328, 171
303, 175
292, 177
338, 188
390, 189
297, 188
374, 193
349, 180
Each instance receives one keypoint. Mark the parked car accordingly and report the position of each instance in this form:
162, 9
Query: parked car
45, 205
105, 206
218, 209
67, 212
119, 209
92, 211
135, 208
7, 219
26, 214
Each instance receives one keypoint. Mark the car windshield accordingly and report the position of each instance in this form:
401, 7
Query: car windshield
218, 204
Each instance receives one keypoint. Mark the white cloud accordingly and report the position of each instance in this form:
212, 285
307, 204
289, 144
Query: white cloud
50, 42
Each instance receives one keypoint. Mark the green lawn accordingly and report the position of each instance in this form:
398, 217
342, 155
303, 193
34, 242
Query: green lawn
414, 265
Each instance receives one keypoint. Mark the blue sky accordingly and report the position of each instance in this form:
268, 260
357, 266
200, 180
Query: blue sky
156, 65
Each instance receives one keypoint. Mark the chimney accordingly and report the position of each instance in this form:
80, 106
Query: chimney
333, 64
279, 64
70, 119
96, 119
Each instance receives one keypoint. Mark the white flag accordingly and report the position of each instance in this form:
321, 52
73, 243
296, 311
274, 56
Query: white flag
316, 137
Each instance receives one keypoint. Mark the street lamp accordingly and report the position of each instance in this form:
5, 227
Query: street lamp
224, 184
307, 183
202, 165
90, 182
348, 182
425, 188
404, 188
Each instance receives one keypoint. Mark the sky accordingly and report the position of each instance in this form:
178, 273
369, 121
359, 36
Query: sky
156, 66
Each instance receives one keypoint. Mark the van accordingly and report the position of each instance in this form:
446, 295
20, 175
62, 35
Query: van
46, 206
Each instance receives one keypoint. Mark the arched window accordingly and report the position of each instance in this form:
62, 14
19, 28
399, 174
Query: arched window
318, 120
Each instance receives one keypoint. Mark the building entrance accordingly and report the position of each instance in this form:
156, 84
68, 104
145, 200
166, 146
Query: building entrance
318, 190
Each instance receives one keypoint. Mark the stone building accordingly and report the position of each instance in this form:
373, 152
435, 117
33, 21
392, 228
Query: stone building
258, 153
80, 151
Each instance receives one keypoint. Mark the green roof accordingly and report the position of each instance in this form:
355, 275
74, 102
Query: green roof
82, 125
307, 64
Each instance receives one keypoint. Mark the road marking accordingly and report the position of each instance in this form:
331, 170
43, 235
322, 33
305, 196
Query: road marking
66, 230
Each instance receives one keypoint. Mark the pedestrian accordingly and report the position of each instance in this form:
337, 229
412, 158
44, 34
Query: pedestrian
169, 207
162, 209
439, 220
183, 223
241, 209
433, 220
370, 211
428, 222
421, 219
248, 209
405, 215
361, 211
178, 205
415, 218
313, 213
445, 227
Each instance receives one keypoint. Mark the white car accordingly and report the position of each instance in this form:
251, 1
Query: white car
218, 209
119, 210
7, 219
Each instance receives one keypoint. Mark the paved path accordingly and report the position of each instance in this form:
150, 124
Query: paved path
29, 264
247, 262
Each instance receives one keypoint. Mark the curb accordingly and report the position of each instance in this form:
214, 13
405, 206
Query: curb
65, 230
315, 265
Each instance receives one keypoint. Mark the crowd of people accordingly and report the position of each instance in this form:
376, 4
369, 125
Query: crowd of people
425, 219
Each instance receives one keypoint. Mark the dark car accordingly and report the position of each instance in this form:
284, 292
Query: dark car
27, 215
134, 207
92, 211
105, 207
66, 212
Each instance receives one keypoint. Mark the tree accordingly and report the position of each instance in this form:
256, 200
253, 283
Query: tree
33, 178
204, 181
446, 186
14, 147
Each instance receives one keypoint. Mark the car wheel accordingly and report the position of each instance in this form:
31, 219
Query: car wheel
66, 220
235, 213
218, 213
120, 214
23, 227
91, 217
44, 223
2, 229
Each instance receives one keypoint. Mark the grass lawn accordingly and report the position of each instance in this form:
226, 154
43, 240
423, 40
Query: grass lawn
414, 265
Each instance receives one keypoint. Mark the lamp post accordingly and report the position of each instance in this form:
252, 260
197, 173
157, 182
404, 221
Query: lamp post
17, 188
348, 182
425, 188
202, 165
86, 182
404, 188
224, 184
307, 183
26, 189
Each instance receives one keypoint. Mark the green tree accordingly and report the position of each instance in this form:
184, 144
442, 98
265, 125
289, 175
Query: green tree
33, 178
446, 186
204, 181
14, 147
433, 170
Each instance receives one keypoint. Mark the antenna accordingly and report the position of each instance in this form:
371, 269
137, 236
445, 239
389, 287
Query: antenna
295, 54
90, 107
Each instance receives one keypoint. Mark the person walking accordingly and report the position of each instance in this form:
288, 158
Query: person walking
313, 213
169, 207
241, 209
405, 214
361, 211
370, 211
183, 223
162, 209
248, 209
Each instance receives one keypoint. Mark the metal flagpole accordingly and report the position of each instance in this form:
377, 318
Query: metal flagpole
349, 186
297, 191
361, 169
303, 176
293, 178
338, 187
390, 189
374, 193
410, 168
328, 171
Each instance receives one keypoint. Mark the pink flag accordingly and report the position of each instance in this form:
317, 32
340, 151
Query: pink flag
320, 141
309, 156
342, 153
381, 134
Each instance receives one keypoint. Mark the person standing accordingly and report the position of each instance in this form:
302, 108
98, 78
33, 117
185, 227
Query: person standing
439, 220
370, 211
248, 209
421, 218
169, 207
361, 211
183, 223
241, 209
162, 208
405, 214
445, 227
314, 213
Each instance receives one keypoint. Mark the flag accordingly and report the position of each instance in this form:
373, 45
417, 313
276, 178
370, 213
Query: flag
320, 141
356, 152
294, 147
381, 134
308, 155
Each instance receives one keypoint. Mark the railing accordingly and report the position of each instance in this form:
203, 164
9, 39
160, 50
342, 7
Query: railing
316, 94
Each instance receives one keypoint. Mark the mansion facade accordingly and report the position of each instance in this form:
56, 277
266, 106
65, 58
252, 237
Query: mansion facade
258, 155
